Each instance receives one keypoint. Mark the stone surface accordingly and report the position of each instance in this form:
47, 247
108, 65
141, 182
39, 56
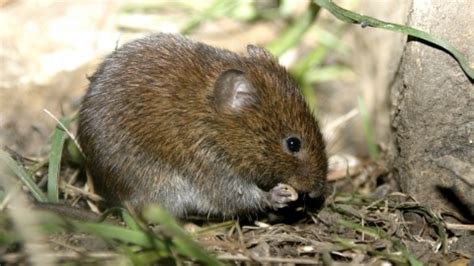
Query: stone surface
433, 110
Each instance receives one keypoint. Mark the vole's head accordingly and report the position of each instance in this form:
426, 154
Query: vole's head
267, 131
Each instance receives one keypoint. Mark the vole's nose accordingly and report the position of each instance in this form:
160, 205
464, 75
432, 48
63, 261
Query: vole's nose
318, 189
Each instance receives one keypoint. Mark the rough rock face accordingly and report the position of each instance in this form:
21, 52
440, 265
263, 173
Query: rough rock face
433, 110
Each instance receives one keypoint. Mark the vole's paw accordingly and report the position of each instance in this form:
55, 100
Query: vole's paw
281, 195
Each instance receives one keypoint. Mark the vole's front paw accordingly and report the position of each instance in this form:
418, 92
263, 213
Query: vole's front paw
281, 195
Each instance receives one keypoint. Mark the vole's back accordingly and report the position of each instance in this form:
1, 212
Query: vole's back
146, 102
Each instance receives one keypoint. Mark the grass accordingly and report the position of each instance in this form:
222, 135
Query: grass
20, 172
295, 31
59, 137
368, 129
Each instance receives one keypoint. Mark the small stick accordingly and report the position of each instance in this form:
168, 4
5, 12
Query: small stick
467, 227
69, 133
269, 259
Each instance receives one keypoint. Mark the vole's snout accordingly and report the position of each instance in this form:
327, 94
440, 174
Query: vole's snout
318, 189
315, 194
307, 184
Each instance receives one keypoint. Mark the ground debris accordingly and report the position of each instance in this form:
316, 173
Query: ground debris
352, 227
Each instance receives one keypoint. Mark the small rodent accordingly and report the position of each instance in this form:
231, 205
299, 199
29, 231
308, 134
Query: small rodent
199, 130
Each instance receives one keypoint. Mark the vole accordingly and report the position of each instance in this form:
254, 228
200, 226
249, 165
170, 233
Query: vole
199, 130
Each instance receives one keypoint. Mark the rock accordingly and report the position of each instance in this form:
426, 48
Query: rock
433, 110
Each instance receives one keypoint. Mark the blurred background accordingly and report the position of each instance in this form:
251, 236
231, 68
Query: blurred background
49, 47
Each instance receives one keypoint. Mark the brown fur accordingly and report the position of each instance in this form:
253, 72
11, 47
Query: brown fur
153, 132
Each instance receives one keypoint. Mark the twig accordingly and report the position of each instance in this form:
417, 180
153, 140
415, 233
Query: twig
13, 191
69, 133
90, 195
467, 227
344, 173
268, 259
340, 121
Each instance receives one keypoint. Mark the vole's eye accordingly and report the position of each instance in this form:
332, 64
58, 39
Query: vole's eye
293, 144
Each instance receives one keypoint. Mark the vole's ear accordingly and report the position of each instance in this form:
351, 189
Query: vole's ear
233, 91
260, 52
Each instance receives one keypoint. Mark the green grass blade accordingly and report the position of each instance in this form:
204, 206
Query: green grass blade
125, 235
183, 242
24, 177
129, 220
366, 21
412, 259
295, 32
328, 73
371, 231
315, 57
327, 42
55, 156
368, 129
213, 11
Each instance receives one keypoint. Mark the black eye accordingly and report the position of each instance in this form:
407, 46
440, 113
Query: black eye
293, 144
